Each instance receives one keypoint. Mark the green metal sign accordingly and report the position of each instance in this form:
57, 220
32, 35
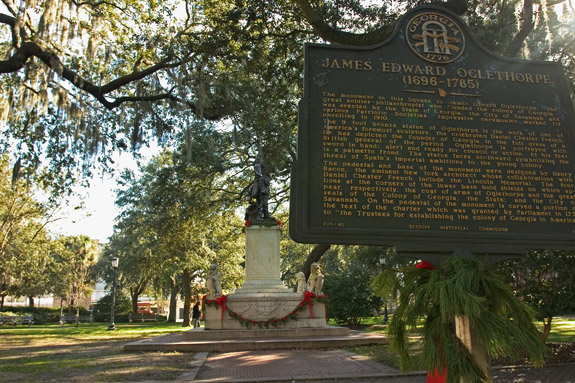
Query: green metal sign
429, 141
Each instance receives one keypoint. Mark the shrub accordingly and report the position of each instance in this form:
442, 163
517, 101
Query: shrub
42, 315
122, 307
349, 295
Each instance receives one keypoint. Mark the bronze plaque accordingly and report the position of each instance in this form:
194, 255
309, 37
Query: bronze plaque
429, 140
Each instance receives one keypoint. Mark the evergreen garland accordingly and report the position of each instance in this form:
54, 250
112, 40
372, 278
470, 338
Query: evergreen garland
269, 223
462, 286
274, 322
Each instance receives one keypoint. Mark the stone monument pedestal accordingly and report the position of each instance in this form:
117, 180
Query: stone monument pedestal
263, 301
265, 311
263, 273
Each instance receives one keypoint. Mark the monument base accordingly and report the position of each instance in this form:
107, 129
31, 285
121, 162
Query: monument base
263, 286
200, 334
265, 311
201, 340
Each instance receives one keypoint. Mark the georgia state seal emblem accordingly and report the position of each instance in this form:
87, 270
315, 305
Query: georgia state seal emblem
435, 37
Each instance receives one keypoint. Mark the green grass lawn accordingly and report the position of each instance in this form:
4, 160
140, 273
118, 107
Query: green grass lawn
562, 330
88, 353
96, 330
91, 353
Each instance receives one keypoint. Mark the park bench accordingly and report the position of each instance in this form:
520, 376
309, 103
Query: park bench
76, 319
143, 317
15, 320
26, 319
9, 319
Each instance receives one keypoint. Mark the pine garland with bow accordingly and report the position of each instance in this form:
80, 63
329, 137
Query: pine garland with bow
248, 323
461, 286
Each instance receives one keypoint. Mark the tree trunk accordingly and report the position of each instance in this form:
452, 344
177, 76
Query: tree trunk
527, 25
137, 290
30, 301
2, 302
134, 295
77, 313
174, 293
546, 328
71, 305
187, 285
314, 256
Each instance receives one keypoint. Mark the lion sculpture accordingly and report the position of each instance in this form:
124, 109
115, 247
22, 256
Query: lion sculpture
301, 285
315, 280
213, 281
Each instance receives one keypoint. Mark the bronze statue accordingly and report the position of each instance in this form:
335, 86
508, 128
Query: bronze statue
259, 194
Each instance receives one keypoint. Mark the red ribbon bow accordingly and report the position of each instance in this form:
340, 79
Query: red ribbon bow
221, 301
307, 296
425, 265
437, 375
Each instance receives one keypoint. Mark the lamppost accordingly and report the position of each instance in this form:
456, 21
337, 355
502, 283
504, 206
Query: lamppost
382, 261
383, 264
112, 326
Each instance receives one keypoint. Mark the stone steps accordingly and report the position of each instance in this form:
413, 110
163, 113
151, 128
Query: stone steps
198, 334
259, 341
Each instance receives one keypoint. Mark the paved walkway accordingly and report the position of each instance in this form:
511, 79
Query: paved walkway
298, 365
322, 366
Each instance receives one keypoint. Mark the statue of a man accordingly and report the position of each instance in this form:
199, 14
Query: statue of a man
260, 191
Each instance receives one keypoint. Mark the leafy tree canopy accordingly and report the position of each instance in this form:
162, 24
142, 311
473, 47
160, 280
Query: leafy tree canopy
349, 271
72, 268
80, 79
544, 280
176, 221
24, 244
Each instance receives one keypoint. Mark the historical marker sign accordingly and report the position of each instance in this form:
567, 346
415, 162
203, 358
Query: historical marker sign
429, 139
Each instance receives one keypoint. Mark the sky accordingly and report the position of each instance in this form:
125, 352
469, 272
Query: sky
96, 219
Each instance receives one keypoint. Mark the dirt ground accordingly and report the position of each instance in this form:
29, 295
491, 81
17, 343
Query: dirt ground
558, 353
561, 353
93, 361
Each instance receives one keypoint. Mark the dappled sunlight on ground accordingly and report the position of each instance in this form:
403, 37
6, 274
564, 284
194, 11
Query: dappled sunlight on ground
84, 358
